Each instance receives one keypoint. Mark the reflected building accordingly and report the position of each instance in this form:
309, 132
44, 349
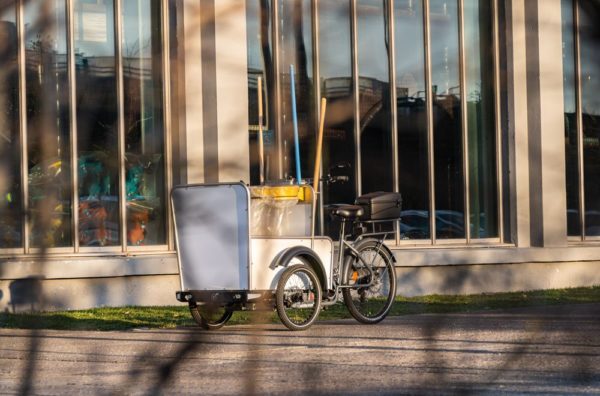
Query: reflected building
109, 104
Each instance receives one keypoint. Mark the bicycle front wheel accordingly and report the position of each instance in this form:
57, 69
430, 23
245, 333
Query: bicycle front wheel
210, 318
370, 297
298, 297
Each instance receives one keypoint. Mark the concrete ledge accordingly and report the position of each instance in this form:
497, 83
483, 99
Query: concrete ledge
493, 255
67, 294
474, 279
166, 263
59, 294
88, 267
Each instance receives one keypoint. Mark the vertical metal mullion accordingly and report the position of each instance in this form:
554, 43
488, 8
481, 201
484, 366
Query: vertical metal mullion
464, 118
277, 81
73, 123
429, 93
23, 125
579, 116
393, 103
121, 124
317, 104
356, 94
166, 70
498, 118
315, 65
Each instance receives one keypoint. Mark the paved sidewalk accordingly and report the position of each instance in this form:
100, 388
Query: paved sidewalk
550, 350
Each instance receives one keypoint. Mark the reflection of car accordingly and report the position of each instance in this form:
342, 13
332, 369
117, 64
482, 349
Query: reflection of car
592, 223
449, 224
445, 228
414, 224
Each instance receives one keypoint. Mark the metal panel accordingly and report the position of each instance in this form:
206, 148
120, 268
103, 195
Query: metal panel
212, 235
265, 250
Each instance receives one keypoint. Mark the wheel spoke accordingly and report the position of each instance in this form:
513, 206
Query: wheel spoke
298, 297
371, 299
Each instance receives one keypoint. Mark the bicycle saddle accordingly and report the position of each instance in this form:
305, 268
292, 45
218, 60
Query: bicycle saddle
347, 212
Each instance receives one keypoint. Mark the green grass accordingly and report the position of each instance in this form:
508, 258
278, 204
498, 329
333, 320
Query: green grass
171, 317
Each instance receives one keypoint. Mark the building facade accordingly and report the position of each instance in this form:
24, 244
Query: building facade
484, 114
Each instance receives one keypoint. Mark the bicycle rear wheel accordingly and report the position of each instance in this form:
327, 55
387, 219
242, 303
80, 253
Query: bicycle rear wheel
371, 296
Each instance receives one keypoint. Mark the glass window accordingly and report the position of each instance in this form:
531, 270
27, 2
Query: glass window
411, 103
144, 128
260, 64
589, 30
296, 49
571, 144
335, 65
481, 131
11, 207
447, 125
374, 97
97, 119
48, 142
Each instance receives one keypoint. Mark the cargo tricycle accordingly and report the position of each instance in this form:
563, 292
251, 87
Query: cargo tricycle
244, 248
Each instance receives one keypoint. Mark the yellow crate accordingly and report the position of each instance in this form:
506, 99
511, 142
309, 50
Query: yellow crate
301, 193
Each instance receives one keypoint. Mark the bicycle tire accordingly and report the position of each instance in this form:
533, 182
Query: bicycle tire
289, 294
211, 320
369, 305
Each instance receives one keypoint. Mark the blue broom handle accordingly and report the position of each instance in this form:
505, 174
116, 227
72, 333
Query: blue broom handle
295, 119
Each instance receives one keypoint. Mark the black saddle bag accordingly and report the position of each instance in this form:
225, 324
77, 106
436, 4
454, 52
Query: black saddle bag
380, 205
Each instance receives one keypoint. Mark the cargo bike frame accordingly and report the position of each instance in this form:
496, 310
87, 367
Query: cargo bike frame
238, 251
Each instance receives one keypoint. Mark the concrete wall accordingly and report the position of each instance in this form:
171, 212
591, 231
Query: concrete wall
81, 283
54, 283
536, 123
216, 91
29, 294
472, 279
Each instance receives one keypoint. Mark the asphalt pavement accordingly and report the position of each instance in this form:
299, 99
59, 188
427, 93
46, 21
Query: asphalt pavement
548, 350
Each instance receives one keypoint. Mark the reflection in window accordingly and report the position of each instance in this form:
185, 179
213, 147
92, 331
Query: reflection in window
374, 97
144, 136
296, 49
48, 145
479, 90
10, 159
260, 64
589, 30
335, 64
97, 133
571, 146
448, 152
412, 119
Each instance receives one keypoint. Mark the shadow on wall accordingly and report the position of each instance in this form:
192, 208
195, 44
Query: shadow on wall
26, 294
